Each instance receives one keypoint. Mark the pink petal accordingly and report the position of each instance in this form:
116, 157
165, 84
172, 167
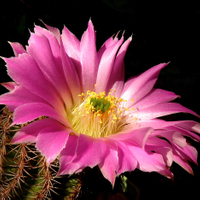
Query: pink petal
147, 161
68, 154
127, 160
139, 136
32, 79
179, 145
117, 88
109, 42
71, 74
155, 144
183, 163
89, 58
173, 125
54, 30
9, 85
184, 132
196, 128
30, 132
109, 165
136, 84
187, 153
18, 97
17, 48
161, 110
156, 123
71, 44
118, 75
174, 137
124, 135
179, 140
90, 152
53, 41
187, 128
167, 173
40, 47
128, 83
106, 66
189, 125
142, 92
155, 97
167, 154
31, 111
52, 140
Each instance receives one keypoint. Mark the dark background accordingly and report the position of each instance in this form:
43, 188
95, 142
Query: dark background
161, 32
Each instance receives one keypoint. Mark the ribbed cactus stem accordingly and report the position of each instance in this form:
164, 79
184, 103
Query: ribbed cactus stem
14, 178
2, 151
5, 121
46, 178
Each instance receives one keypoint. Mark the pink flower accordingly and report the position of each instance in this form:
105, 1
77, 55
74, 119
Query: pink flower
91, 117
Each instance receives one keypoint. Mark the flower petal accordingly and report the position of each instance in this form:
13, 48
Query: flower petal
52, 39
106, 66
184, 132
54, 30
156, 123
71, 44
90, 152
156, 96
189, 125
183, 163
68, 154
127, 161
18, 97
17, 48
161, 146
32, 79
109, 165
88, 57
30, 132
109, 42
139, 136
161, 110
174, 137
188, 152
71, 74
147, 162
30, 111
9, 85
52, 140
40, 47
72, 48
136, 84
118, 75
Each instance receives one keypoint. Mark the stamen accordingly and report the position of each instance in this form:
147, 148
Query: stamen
99, 115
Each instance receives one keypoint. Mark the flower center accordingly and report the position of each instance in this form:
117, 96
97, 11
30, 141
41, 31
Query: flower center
99, 115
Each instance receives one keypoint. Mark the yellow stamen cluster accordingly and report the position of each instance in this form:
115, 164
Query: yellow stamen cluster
98, 115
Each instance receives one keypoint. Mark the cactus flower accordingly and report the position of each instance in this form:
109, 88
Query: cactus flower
75, 104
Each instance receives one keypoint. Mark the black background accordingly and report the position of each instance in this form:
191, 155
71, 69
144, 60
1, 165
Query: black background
161, 32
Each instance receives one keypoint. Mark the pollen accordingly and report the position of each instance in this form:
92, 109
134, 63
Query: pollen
98, 114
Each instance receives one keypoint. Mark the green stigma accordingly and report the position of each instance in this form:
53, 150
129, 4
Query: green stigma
100, 104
